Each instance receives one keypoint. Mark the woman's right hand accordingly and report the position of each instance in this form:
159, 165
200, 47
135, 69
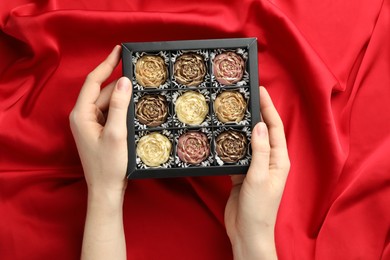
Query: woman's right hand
251, 210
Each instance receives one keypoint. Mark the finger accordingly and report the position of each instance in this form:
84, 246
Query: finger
279, 155
117, 111
259, 167
103, 100
272, 119
91, 88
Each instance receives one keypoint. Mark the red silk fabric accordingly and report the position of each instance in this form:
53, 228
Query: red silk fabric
325, 63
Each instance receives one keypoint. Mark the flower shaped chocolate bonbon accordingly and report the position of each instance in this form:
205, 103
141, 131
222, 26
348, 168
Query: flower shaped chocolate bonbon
191, 108
231, 146
152, 110
154, 149
195, 104
151, 71
230, 106
228, 68
193, 147
190, 69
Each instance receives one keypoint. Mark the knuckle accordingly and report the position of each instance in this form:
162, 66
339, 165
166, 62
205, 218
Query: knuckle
108, 64
279, 122
90, 77
118, 102
115, 135
282, 165
93, 77
278, 125
73, 118
74, 122
256, 179
264, 148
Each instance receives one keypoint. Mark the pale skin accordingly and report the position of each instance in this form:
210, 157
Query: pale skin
101, 137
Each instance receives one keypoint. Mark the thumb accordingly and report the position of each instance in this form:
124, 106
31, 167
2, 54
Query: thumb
117, 111
259, 167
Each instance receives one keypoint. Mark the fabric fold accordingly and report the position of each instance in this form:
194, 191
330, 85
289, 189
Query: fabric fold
325, 65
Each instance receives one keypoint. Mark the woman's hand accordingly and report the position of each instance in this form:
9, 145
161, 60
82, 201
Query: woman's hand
102, 141
251, 210
102, 145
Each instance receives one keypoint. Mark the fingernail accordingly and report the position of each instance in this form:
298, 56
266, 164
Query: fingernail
123, 84
262, 130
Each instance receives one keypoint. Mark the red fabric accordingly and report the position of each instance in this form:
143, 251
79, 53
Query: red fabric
325, 63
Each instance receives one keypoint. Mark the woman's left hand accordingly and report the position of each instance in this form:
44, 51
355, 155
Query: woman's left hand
102, 140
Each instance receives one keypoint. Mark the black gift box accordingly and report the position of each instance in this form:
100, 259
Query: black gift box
172, 89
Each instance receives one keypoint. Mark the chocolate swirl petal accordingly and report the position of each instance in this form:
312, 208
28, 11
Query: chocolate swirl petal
230, 106
228, 68
191, 108
189, 69
193, 147
154, 149
231, 146
152, 110
151, 71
